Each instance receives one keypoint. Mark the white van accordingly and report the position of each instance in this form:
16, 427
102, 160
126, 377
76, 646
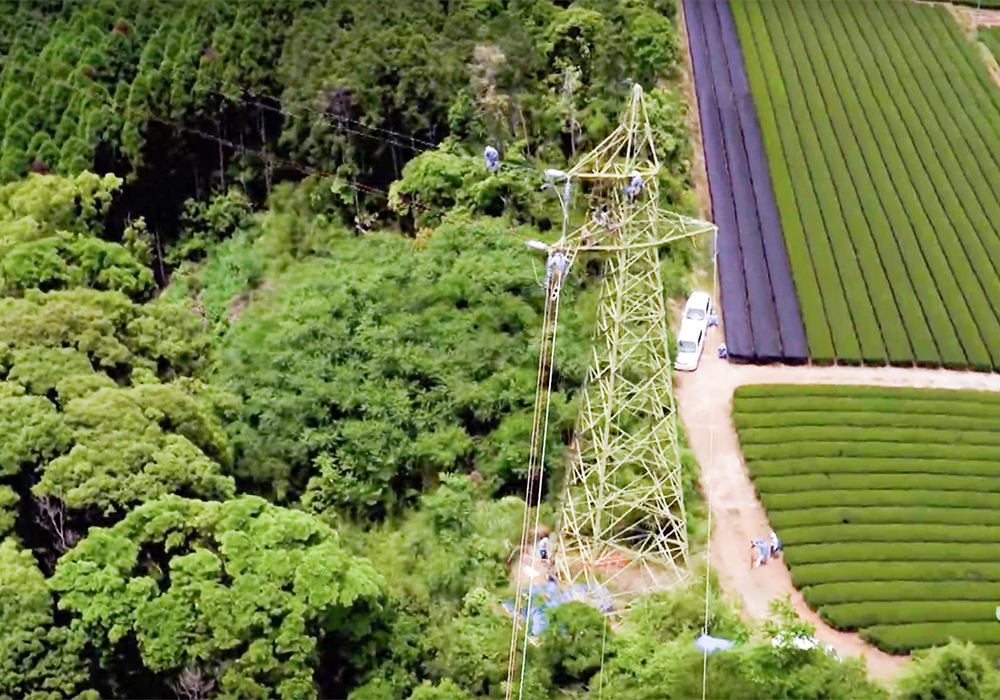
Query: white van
690, 343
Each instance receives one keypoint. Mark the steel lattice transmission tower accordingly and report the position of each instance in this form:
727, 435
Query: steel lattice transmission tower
623, 507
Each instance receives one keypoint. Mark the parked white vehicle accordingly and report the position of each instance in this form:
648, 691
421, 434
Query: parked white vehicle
694, 328
690, 343
697, 310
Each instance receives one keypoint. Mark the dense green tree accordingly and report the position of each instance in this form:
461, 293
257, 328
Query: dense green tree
575, 643
42, 205
205, 223
163, 92
445, 565
958, 671
681, 612
766, 665
780, 669
32, 430
643, 670
72, 260
49, 237
370, 372
39, 659
473, 650
97, 413
122, 456
438, 181
115, 333
243, 592
445, 690
93, 442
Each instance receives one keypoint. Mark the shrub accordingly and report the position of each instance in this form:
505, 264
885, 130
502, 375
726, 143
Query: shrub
864, 392
866, 417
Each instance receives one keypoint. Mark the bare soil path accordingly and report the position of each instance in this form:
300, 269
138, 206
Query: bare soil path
705, 400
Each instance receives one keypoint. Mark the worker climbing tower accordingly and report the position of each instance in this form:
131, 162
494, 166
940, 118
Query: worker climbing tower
623, 507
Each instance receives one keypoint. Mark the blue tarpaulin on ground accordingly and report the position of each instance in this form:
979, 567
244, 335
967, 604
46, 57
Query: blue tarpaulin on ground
549, 595
713, 644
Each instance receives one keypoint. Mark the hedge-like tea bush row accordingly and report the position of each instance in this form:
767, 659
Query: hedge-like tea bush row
852, 616
888, 503
901, 639
917, 531
899, 497
947, 170
793, 220
902, 405
872, 304
823, 303
811, 433
870, 419
749, 392
899, 551
812, 574
928, 482
801, 466
846, 448
809, 519
885, 188
863, 591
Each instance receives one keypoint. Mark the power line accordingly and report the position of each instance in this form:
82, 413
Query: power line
96, 90
294, 165
337, 121
394, 138
327, 116
341, 127
93, 90
708, 497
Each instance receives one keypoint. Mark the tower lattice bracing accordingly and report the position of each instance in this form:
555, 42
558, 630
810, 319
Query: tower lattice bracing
623, 509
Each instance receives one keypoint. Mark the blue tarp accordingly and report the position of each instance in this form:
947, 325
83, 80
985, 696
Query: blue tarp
713, 644
549, 595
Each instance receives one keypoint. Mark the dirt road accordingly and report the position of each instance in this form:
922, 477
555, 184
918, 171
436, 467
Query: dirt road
705, 404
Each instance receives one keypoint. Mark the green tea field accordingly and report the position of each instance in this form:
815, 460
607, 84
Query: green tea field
881, 126
888, 504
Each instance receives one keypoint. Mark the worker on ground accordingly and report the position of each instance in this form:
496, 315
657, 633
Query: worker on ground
775, 544
492, 159
760, 548
543, 548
